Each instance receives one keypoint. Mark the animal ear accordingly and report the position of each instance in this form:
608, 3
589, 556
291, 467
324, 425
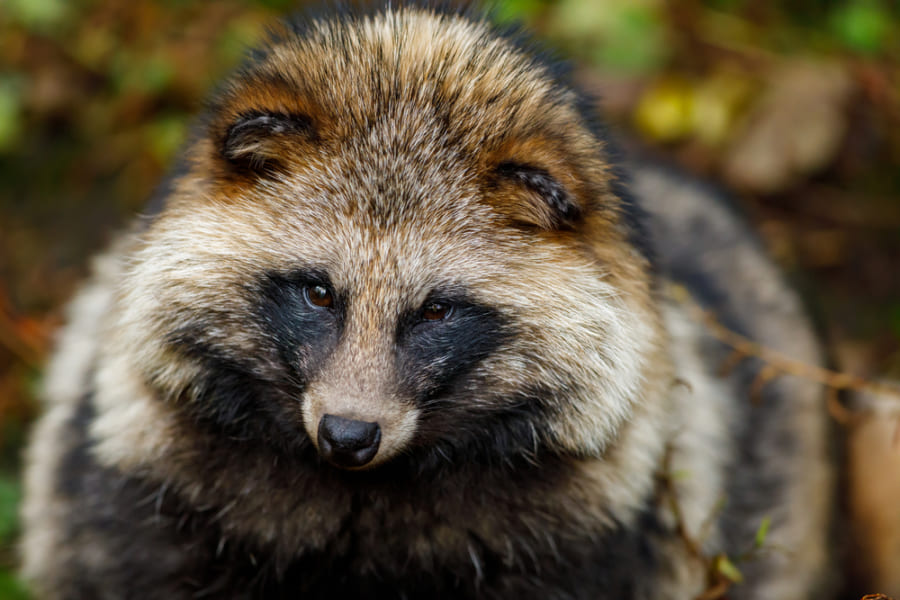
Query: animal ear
555, 208
260, 141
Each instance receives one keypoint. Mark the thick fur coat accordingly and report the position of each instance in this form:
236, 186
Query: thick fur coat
404, 223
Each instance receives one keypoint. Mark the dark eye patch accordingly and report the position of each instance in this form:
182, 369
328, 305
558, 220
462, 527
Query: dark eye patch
432, 354
252, 393
303, 328
232, 394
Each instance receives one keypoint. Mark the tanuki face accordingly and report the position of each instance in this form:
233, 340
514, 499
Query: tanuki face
432, 267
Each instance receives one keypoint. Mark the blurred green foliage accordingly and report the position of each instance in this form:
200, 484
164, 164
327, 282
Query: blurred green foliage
864, 25
624, 34
9, 497
513, 11
11, 109
10, 491
11, 588
41, 16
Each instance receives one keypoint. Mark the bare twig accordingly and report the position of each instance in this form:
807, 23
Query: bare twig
776, 364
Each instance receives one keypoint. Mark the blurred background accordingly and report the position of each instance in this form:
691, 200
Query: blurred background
794, 105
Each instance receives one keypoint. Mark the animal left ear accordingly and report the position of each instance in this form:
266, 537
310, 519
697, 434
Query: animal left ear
259, 141
556, 207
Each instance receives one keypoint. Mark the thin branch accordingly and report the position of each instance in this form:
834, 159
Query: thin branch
781, 364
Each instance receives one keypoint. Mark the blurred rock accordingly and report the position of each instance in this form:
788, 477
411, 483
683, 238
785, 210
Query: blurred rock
795, 130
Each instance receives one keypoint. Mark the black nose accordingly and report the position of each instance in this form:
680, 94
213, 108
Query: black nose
346, 442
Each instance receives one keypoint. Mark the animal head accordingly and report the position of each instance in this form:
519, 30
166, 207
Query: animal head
395, 235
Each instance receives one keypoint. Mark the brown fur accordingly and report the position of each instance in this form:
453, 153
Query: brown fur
402, 154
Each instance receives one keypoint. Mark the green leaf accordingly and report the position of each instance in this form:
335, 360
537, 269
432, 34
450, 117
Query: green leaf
762, 532
728, 569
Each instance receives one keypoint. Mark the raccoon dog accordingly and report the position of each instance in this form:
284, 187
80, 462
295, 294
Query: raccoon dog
399, 330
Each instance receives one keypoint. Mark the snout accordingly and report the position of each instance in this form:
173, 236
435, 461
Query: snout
356, 431
348, 443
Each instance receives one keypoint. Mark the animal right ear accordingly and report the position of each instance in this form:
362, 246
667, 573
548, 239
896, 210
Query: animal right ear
260, 141
556, 207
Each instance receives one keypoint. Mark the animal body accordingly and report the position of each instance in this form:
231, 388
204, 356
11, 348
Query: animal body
400, 327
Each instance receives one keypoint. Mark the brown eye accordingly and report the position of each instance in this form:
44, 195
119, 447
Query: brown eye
436, 311
319, 295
